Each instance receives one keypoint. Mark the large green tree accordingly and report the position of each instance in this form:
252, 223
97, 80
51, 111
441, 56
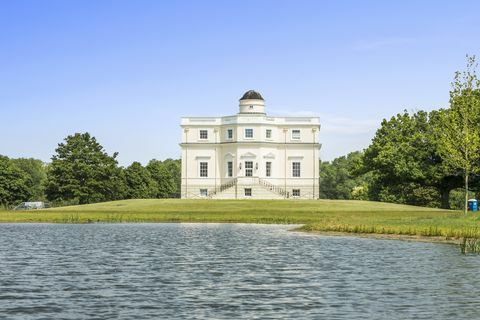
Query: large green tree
459, 133
139, 182
167, 175
82, 172
338, 179
36, 176
405, 164
13, 183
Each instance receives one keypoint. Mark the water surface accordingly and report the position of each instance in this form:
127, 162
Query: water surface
227, 271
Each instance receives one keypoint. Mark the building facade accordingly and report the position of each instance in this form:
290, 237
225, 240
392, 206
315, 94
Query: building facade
250, 155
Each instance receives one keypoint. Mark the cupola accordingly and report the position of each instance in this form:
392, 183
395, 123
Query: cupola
252, 102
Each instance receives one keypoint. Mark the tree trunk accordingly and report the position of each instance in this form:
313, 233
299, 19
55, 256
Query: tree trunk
445, 201
466, 192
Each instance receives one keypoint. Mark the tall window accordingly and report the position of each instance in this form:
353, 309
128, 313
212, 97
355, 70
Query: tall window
268, 134
229, 134
296, 134
268, 169
203, 134
248, 168
203, 169
295, 169
230, 168
248, 133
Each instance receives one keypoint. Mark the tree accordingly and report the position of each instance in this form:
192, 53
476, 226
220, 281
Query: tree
36, 176
82, 172
338, 179
13, 183
139, 182
405, 164
174, 174
459, 133
167, 175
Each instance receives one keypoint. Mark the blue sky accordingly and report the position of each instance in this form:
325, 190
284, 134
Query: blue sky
126, 71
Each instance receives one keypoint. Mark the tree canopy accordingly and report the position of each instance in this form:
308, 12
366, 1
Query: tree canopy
167, 175
139, 182
458, 134
405, 163
14, 184
82, 172
36, 176
338, 179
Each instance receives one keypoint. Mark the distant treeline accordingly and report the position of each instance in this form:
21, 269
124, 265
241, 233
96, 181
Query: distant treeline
353, 177
82, 172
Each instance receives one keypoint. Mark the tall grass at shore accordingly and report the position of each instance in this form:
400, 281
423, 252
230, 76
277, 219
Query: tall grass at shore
248, 211
322, 215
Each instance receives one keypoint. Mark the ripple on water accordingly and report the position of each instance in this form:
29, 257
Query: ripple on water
227, 271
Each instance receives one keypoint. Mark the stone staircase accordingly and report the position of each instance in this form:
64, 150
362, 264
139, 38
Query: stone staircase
274, 188
223, 187
261, 189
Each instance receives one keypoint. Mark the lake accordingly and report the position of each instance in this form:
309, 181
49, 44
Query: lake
227, 271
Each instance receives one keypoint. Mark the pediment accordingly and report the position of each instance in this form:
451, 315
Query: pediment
269, 156
248, 155
229, 155
295, 157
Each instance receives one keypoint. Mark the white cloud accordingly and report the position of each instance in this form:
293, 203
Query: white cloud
339, 135
346, 125
334, 124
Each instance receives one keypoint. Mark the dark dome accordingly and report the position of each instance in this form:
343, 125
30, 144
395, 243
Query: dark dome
252, 94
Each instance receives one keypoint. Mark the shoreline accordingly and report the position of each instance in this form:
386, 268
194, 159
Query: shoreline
298, 228
385, 236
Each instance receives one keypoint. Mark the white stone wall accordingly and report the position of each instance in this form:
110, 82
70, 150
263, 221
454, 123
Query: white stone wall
281, 150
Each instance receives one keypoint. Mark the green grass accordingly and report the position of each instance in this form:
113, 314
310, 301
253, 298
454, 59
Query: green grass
321, 215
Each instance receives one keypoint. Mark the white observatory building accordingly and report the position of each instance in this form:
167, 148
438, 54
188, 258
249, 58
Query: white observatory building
250, 155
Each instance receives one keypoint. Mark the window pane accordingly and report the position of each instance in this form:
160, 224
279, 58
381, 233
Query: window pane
203, 192
295, 134
203, 134
229, 134
296, 192
248, 192
269, 133
248, 168
203, 169
230, 168
296, 169
268, 170
248, 133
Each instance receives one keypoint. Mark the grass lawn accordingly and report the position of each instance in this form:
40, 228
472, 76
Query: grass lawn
320, 215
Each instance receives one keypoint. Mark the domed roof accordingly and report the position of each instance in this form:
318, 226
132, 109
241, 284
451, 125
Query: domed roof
252, 94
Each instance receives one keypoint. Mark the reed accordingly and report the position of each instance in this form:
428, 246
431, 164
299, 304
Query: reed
470, 245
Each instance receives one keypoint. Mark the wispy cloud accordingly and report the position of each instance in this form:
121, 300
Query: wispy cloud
347, 125
375, 44
332, 123
340, 135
